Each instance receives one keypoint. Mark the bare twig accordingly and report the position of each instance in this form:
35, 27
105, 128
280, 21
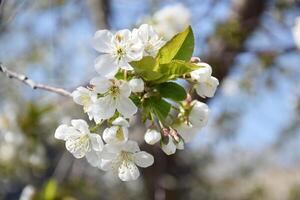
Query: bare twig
31, 83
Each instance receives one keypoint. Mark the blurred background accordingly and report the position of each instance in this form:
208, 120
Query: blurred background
249, 151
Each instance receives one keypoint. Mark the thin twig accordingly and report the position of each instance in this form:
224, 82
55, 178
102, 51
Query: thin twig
31, 83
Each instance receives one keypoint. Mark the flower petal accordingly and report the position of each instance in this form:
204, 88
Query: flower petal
96, 141
199, 114
102, 40
81, 96
94, 158
78, 150
130, 146
80, 125
169, 148
125, 89
125, 106
128, 171
63, 132
143, 159
106, 65
136, 85
105, 107
120, 121
101, 84
152, 136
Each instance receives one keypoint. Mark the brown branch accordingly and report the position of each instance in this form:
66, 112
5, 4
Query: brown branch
21, 77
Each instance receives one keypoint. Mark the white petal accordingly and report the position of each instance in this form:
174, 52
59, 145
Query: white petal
180, 145
152, 136
203, 73
77, 150
123, 34
123, 64
169, 148
128, 171
212, 84
187, 132
115, 135
130, 146
105, 107
63, 132
111, 150
199, 114
96, 141
106, 65
101, 84
143, 159
120, 121
81, 95
80, 125
125, 106
125, 89
94, 158
102, 40
136, 85
106, 165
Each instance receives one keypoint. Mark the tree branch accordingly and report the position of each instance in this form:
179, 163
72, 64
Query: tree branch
31, 83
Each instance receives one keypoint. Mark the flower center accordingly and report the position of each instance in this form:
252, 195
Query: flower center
114, 91
126, 157
120, 135
81, 143
148, 48
120, 53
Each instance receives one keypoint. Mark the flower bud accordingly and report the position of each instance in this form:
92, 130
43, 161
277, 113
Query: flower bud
136, 85
201, 74
152, 136
180, 144
199, 114
170, 147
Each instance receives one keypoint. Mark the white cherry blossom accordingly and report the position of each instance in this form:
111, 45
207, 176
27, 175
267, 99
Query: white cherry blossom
124, 158
206, 84
152, 136
199, 114
151, 41
118, 133
136, 85
117, 50
201, 74
114, 96
86, 98
171, 20
79, 141
207, 88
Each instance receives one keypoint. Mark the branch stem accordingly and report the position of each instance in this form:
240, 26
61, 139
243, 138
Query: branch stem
31, 83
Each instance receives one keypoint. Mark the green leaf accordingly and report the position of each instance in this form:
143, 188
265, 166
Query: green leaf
180, 47
174, 69
146, 68
171, 90
159, 107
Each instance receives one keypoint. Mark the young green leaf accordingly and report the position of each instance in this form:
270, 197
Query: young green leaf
180, 47
146, 68
159, 107
171, 90
174, 69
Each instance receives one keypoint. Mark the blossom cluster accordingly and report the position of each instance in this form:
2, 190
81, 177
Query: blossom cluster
137, 71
